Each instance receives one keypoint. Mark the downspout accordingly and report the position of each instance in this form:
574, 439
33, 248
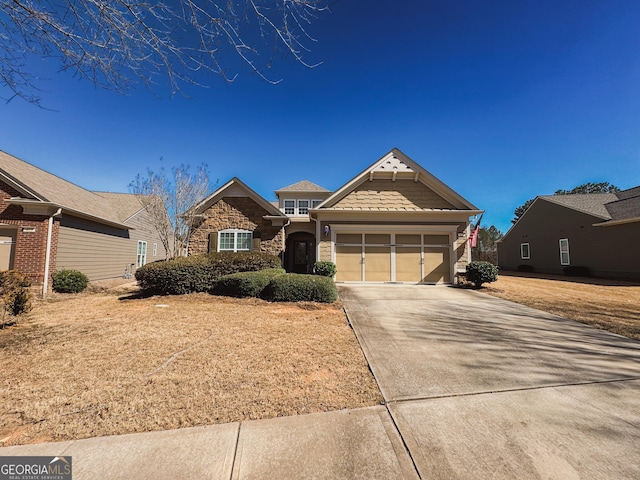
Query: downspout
47, 255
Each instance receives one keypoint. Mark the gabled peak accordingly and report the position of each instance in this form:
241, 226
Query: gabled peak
391, 163
303, 186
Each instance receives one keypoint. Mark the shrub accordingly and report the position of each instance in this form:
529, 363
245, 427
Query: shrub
69, 281
576, 271
326, 269
14, 292
245, 284
525, 268
199, 272
481, 272
294, 287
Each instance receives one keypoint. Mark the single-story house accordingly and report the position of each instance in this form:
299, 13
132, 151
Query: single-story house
599, 232
393, 222
47, 223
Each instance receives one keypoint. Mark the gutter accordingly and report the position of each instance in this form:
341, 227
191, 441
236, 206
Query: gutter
47, 255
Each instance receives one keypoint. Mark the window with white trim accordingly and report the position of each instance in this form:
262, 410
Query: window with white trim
564, 251
303, 207
141, 257
315, 203
234, 240
289, 207
525, 252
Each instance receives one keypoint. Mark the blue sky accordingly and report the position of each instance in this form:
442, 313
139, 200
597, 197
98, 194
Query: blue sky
501, 100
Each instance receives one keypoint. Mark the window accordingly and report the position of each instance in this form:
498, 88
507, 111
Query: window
564, 251
289, 207
234, 240
315, 203
525, 254
155, 249
141, 259
303, 207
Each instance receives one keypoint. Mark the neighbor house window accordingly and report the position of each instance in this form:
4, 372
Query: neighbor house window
155, 249
524, 251
234, 240
303, 207
141, 258
289, 207
564, 251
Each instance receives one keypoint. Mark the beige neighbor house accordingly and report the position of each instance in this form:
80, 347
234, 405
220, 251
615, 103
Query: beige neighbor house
393, 222
47, 223
557, 233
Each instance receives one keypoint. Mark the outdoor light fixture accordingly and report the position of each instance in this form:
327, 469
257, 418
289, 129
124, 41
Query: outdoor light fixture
327, 229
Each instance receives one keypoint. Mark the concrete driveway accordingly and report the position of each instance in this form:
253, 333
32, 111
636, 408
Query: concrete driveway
484, 388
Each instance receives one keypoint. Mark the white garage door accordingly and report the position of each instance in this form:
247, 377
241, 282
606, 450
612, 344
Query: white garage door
411, 258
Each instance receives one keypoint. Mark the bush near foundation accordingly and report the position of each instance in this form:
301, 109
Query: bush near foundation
199, 272
245, 284
324, 268
294, 287
69, 281
14, 293
481, 272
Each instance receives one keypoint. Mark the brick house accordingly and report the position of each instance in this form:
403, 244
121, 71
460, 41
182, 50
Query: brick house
393, 222
47, 223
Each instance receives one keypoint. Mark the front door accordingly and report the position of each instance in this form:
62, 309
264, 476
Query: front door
302, 256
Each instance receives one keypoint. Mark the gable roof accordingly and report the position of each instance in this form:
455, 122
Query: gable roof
303, 186
236, 188
589, 203
396, 165
39, 186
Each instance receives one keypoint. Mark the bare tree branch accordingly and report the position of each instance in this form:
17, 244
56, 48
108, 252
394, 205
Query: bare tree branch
116, 42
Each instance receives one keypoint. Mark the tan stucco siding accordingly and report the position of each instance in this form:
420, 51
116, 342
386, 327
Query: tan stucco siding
384, 194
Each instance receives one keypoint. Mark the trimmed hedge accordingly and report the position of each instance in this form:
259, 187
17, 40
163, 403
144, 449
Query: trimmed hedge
245, 284
199, 272
481, 272
295, 287
14, 292
69, 281
576, 271
324, 268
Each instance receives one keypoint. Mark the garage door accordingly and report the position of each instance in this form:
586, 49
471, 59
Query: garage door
411, 258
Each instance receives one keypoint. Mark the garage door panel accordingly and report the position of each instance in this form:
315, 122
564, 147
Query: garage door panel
408, 264
436, 265
348, 264
377, 264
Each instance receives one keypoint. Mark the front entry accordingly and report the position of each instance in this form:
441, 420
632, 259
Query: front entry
301, 253
7, 248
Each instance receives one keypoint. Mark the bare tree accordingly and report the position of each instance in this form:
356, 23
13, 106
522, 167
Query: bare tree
169, 200
111, 42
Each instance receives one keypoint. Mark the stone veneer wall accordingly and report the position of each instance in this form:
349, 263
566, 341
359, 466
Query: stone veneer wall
237, 212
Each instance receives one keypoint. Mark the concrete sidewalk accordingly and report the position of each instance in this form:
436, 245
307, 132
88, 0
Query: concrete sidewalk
347, 444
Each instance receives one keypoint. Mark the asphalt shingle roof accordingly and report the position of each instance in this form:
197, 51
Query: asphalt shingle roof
303, 186
45, 186
590, 203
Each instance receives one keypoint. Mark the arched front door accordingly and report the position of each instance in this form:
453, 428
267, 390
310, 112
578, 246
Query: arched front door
300, 253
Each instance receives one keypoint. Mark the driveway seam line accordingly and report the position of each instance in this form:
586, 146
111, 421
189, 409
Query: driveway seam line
404, 442
509, 390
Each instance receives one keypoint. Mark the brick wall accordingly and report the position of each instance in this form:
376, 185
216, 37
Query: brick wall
30, 246
236, 212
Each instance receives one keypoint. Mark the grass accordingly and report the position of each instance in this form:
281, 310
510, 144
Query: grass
96, 364
607, 304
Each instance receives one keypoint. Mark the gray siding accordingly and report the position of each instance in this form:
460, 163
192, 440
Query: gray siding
103, 252
606, 251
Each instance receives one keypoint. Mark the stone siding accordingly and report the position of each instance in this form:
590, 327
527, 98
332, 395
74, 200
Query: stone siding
237, 212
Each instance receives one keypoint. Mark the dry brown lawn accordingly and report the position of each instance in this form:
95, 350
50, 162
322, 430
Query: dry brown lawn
607, 304
97, 364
